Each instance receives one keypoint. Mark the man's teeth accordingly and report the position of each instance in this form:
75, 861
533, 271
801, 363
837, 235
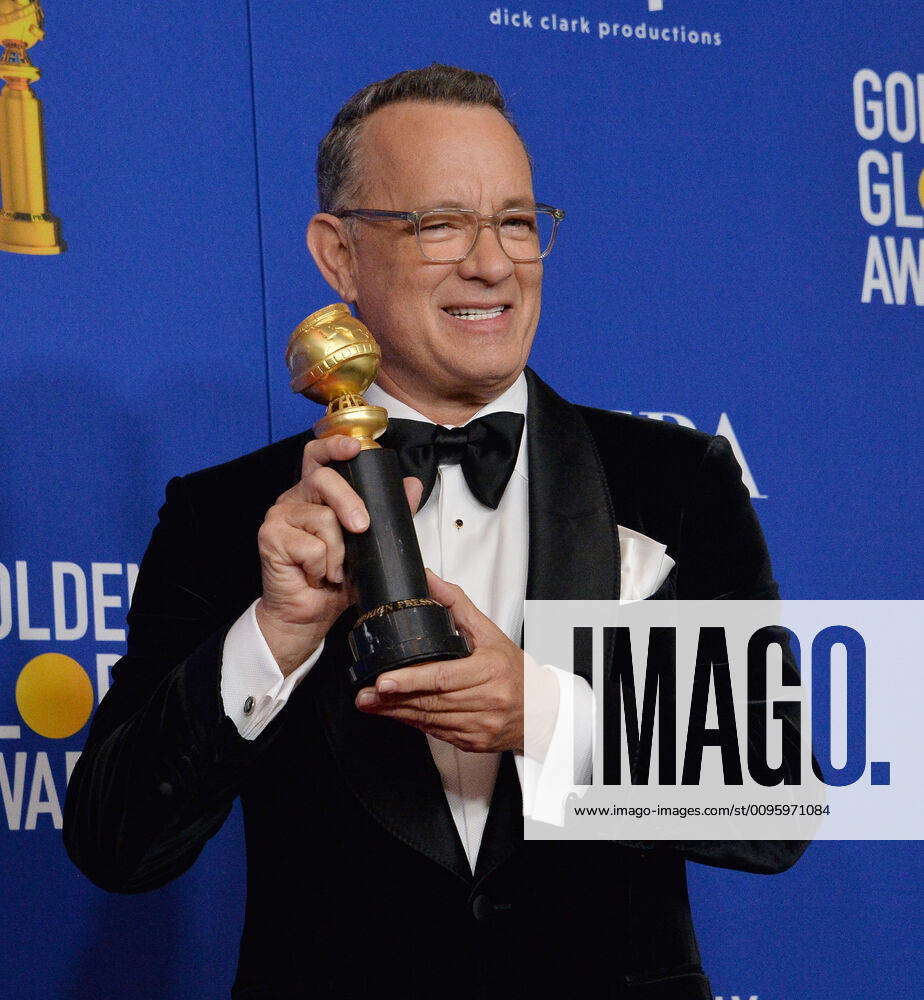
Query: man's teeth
476, 313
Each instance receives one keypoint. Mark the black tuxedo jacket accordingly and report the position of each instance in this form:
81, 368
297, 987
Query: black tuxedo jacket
357, 880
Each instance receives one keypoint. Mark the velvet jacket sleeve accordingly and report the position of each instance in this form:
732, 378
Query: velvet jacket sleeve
162, 763
684, 489
722, 555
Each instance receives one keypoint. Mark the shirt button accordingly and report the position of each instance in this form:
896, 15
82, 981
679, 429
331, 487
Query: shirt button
248, 705
458, 522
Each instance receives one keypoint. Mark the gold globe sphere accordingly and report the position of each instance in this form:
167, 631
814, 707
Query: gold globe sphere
21, 23
332, 358
331, 354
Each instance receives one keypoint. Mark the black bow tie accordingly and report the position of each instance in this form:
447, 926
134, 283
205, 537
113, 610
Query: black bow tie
486, 449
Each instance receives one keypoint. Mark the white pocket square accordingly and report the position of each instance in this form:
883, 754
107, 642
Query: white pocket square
643, 565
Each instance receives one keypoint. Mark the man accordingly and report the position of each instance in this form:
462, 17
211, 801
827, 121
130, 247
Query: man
384, 829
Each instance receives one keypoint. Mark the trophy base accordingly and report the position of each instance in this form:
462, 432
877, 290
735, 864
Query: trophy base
402, 637
30, 234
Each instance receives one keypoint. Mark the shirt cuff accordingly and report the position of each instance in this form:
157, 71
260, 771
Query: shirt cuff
567, 764
253, 688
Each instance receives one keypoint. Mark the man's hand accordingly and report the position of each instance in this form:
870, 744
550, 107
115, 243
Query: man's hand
301, 552
475, 703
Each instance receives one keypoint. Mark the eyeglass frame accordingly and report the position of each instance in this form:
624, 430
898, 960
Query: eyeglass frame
373, 214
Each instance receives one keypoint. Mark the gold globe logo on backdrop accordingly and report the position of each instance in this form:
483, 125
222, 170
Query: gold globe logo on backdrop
26, 225
46, 696
889, 111
55, 699
54, 695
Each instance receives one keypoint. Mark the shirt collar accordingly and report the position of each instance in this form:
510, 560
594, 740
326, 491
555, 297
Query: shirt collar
512, 400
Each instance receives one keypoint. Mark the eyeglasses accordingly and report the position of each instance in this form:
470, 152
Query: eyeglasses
448, 235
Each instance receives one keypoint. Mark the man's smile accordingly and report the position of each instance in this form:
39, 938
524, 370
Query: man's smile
472, 312
487, 319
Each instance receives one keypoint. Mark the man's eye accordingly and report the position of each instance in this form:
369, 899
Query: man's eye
443, 228
441, 223
519, 225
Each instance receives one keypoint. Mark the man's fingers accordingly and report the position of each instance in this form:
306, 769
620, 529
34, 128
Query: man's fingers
321, 484
460, 700
442, 677
322, 522
323, 451
435, 677
331, 489
298, 548
413, 489
289, 523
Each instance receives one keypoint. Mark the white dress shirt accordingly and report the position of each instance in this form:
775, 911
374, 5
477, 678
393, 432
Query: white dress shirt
485, 552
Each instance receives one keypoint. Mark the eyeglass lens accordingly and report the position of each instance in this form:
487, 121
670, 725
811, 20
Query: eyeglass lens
525, 234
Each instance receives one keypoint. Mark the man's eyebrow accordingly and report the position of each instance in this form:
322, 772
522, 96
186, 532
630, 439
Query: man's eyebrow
507, 203
448, 203
518, 203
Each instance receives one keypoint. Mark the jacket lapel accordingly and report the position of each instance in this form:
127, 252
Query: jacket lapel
573, 538
573, 554
388, 766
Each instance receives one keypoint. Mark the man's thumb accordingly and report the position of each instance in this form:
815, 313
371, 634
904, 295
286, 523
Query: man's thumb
467, 617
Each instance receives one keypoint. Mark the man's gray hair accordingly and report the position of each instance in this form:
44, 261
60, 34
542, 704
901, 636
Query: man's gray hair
337, 168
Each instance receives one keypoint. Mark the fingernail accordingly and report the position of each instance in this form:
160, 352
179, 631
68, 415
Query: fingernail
366, 698
359, 520
385, 686
336, 575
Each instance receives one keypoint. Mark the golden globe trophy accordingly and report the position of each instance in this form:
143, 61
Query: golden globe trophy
332, 359
26, 225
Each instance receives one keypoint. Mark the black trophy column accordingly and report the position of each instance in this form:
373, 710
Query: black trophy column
386, 568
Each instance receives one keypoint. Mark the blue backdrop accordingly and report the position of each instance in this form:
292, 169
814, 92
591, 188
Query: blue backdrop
730, 263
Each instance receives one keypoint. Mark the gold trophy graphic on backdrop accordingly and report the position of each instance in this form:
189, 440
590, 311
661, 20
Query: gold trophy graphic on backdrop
332, 359
26, 225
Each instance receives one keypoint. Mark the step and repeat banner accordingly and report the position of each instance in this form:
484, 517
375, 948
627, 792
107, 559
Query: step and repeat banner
743, 253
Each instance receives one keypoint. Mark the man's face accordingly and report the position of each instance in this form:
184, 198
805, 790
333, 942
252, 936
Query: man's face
416, 155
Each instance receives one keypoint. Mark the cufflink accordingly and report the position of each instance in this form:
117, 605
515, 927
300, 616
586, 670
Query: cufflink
248, 705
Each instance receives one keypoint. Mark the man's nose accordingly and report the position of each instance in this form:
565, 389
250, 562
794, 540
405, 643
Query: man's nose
487, 260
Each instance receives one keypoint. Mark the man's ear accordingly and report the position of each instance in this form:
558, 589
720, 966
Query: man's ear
327, 240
